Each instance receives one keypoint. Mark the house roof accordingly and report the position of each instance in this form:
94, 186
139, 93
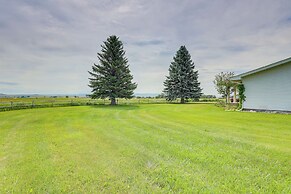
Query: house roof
239, 77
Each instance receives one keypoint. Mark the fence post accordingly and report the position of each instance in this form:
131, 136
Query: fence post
11, 104
32, 104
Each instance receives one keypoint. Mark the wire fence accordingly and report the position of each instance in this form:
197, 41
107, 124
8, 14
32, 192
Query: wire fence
29, 103
17, 104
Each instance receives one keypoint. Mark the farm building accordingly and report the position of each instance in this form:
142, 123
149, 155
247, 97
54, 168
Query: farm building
268, 87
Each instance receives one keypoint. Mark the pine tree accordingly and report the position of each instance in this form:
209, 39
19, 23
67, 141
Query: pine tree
182, 81
111, 78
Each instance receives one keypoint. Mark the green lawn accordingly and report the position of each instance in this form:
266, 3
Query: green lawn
144, 149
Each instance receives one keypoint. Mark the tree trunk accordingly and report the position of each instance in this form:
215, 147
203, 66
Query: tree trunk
182, 101
113, 101
227, 98
234, 95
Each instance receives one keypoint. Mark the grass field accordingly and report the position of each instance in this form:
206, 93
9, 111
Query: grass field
144, 149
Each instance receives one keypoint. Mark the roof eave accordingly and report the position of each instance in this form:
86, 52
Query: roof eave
240, 76
236, 78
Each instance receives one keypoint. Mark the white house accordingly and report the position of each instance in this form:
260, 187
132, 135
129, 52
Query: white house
268, 87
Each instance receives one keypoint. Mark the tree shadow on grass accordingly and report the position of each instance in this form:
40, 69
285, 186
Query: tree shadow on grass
116, 107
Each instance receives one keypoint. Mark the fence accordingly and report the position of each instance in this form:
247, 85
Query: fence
7, 104
16, 104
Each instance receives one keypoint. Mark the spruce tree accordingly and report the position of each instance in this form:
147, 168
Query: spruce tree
111, 78
182, 81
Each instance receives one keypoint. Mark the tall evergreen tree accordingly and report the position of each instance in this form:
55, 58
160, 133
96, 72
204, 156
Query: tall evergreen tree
111, 78
182, 81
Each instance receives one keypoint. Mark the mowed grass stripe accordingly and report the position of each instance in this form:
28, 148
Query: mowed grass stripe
145, 148
237, 149
252, 126
155, 129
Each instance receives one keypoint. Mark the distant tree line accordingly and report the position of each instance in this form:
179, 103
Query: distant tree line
207, 96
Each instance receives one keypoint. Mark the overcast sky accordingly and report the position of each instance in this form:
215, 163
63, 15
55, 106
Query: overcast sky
48, 46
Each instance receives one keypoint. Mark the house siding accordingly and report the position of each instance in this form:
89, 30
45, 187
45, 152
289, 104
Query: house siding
269, 89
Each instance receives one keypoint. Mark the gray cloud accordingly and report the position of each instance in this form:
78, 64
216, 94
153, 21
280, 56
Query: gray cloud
48, 46
149, 42
8, 83
166, 53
